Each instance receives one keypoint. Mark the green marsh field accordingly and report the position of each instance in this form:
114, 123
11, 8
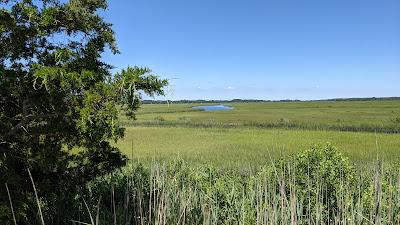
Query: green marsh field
261, 163
253, 133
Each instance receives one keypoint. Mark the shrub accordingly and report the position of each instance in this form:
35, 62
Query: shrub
159, 119
396, 119
323, 173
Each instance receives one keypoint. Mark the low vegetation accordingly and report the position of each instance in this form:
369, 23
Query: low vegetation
315, 186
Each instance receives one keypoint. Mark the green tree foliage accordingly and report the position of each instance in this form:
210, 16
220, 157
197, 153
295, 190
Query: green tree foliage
57, 95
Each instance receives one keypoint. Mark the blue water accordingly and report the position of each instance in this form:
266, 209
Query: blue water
213, 107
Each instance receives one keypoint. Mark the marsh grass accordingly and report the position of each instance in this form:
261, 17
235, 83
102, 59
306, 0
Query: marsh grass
241, 147
254, 132
356, 116
311, 188
315, 186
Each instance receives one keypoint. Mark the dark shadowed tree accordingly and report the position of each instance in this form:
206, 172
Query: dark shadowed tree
57, 96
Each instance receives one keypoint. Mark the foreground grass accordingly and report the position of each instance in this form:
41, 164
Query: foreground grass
241, 147
317, 186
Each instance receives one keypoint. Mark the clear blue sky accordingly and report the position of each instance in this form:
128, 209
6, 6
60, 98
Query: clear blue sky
264, 49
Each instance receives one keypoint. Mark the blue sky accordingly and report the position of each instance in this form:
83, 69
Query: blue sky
262, 49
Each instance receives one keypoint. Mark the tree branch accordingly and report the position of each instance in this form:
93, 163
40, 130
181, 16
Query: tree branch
28, 119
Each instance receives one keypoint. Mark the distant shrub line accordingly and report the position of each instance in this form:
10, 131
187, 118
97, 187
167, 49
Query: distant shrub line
161, 122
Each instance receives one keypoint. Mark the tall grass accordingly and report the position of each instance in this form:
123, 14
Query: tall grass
318, 186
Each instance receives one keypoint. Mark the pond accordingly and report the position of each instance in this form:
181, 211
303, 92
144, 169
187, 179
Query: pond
213, 107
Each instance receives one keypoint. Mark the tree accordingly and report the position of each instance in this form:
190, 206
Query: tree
57, 95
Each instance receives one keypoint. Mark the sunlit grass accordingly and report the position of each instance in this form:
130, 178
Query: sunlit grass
249, 146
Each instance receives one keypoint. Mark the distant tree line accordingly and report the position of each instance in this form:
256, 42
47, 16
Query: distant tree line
363, 99
237, 100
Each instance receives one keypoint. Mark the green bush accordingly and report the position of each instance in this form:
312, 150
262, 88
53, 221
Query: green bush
322, 173
396, 119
